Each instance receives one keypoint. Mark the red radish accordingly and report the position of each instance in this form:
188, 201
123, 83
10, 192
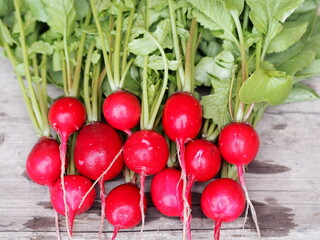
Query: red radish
122, 110
145, 152
166, 192
76, 187
203, 162
182, 120
96, 147
66, 116
222, 200
239, 144
123, 207
43, 163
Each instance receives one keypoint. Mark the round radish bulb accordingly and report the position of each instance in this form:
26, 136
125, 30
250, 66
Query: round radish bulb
182, 117
76, 187
123, 207
66, 116
166, 192
239, 143
96, 146
43, 163
203, 160
145, 152
222, 200
122, 110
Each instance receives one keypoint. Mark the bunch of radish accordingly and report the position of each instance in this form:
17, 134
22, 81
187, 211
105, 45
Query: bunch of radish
135, 77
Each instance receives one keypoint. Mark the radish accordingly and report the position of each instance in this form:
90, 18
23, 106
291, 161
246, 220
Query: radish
203, 162
222, 200
123, 207
145, 152
43, 163
96, 147
66, 116
122, 111
75, 186
182, 119
239, 144
166, 192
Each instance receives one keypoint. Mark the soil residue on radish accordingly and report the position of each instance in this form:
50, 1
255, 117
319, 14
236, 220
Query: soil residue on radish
40, 223
260, 167
274, 220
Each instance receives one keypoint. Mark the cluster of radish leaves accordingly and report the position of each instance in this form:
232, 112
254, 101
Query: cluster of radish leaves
248, 54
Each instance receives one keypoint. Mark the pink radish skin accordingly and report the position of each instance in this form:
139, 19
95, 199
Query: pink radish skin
182, 120
76, 187
96, 147
145, 152
166, 192
122, 110
222, 200
239, 144
66, 116
123, 207
43, 163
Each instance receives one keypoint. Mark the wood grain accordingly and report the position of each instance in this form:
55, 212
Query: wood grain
283, 180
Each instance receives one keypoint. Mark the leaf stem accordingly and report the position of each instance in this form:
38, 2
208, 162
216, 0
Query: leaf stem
145, 103
116, 59
103, 45
95, 93
67, 60
77, 72
176, 46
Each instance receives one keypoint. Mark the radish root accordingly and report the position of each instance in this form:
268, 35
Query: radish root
115, 232
56, 220
244, 187
103, 206
63, 151
142, 181
217, 227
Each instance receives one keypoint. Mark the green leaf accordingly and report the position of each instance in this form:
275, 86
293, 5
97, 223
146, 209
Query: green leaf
214, 16
301, 92
265, 14
156, 63
61, 15
234, 5
313, 70
6, 7
221, 67
20, 70
40, 47
265, 85
215, 106
37, 9
36, 79
96, 56
290, 34
82, 8
6, 34
145, 45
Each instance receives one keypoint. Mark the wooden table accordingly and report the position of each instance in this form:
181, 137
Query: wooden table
283, 180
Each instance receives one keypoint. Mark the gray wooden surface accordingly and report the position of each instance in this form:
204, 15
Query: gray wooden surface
283, 180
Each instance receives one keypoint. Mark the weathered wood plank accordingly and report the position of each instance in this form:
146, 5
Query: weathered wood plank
283, 180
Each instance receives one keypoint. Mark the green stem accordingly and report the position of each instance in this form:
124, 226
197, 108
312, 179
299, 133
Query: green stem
176, 46
86, 90
103, 45
213, 136
67, 60
46, 125
34, 103
77, 72
245, 17
230, 97
126, 43
116, 59
95, 93
156, 107
145, 102
125, 71
205, 128
258, 54
189, 64
64, 74
22, 88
